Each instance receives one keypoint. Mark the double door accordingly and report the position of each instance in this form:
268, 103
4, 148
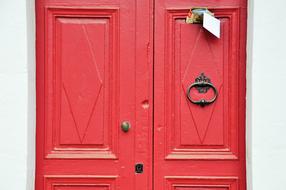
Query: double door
121, 92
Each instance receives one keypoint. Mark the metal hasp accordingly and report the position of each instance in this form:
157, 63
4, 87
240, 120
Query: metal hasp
202, 84
195, 16
139, 168
125, 126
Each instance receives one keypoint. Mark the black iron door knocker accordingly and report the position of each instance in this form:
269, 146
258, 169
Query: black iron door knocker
202, 84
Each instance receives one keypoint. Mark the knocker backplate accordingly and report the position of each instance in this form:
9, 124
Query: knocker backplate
202, 78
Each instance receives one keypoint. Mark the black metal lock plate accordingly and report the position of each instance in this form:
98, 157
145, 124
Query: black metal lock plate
139, 168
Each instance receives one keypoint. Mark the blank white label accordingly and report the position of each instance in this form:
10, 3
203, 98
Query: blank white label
212, 24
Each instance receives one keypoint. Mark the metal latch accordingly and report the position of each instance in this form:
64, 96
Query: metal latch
195, 16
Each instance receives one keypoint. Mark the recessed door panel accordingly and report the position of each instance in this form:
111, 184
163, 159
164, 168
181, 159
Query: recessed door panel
196, 132
80, 74
80, 182
201, 183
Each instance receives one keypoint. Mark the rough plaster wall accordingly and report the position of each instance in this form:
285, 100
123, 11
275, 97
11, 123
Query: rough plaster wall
266, 95
16, 95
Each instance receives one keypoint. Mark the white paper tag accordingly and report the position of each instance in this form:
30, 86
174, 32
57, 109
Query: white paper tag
212, 24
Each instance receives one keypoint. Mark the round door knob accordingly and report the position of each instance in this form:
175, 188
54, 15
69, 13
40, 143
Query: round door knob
125, 126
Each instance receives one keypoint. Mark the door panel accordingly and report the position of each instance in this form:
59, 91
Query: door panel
199, 147
201, 183
82, 83
194, 132
94, 71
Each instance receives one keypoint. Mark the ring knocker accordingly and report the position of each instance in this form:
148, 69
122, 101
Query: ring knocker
202, 84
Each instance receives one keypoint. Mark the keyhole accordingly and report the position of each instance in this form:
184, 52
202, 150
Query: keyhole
139, 168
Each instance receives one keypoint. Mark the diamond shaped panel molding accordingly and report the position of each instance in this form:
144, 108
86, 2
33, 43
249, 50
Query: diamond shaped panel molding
202, 59
82, 78
81, 83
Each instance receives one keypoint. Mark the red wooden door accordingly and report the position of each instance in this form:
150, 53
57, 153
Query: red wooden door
195, 147
94, 71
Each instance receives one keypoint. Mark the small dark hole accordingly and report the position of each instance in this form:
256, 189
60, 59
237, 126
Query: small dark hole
139, 168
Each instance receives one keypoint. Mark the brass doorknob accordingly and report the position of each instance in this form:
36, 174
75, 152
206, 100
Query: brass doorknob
125, 126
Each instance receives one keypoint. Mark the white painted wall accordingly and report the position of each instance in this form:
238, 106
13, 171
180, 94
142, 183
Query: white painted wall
266, 118
17, 98
266, 95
